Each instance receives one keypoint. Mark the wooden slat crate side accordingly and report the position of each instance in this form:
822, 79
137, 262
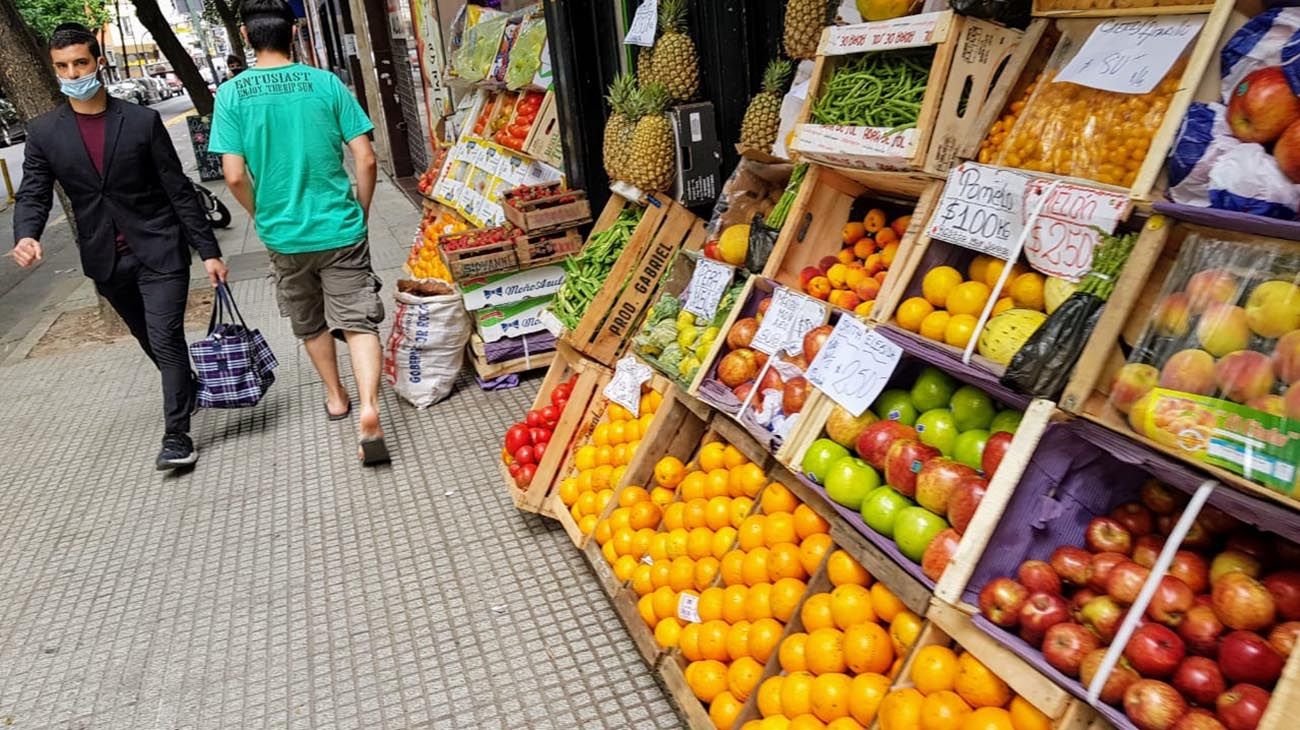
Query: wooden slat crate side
601, 568
1047, 9
1284, 707
1029, 57
624, 601
489, 370
599, 308
565, 518
891, 294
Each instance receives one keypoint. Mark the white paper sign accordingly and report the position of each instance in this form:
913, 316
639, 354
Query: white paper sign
688, 607
642, 32
982, 209
1131, 55
788, 319
854, 365
708, 284
1063, 237
911, 31
625, 387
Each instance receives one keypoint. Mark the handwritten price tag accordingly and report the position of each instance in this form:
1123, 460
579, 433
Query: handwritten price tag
709, 283
907, 32
688, 608
982, 209
642, 31
1131, 55
853, 365
625, 387
788, 319
1063, 237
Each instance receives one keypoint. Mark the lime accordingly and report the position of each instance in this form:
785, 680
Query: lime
972, 408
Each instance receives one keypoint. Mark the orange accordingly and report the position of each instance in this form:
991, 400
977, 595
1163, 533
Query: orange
1002, 305
988, 718
778, 498
677, 541
641, 582
617, 413
813, 549
1027, 291
695, 514
587, 504
844, 723
755, 569
706, 571
603, 498
733, 603
569, 491
674, 516
738, 640
943, 710
669, 472
622, 541
624, 567
793, 653
994, 270
660, 573
631, 432
764, 635
796, 694
710, 607
935, 324
710, 456
688, 641
724, 710
938, 283
903, 631
733, 568
850, 605
693, 485
732, 457
830, 696
825, 651
607, 550
865, 694
658, 549
747, 480
934, 668
808, 523
707, 679
807, 722
644, 514
743, 676
645, 608
718, 484
885, 603
778, 527
632, 495
699, 543
784, 561
740, 509
852, 232
1025, 716
641, 541
769, 696
619, 458
651, 401
587, 524
724, 539
585, 458
961, 327
867, 649
842, 569
604, 456
713, 640
665, 602
617, 433
912, 311
667, 631
786, 593
978, 267
901, 710
602, 477
717, 514
758, 602
600, 435
979, 686
602, 533
816, 613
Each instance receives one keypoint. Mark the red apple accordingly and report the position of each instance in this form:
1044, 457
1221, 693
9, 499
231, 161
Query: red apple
1286, 151
1285, 587
1283, 637
1105, 535
1073, 564
1066, 644
1217, 521
936, 482
814, 339
742, 391
1102, 615
1100, 567
1244, 656
1119, 680
1231, 561
1135, 517
1242, 602
1161, 499
965, 499
1038, 577
1200, 680
1262, 106
772, 381
1079, 600
794, 395
939, 553
1197, 537
1191, 569
1171, 602
1242, 706
1001, 601
1201, 630
1198, 719
1147, 549
904, 461
1153, 705
1125, 581
874, 441
1252, 543
1155, 650
1041, 612
994, 449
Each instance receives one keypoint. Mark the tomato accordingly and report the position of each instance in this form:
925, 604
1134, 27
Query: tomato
561, 403
525, 477
534, 419
539, 435
514, 468
525, 455
539, 451
518, 435
519, 131
551, 415
561, 392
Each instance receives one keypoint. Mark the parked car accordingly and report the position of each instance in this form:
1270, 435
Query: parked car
149, 93
174, 84
126, 91
12, 129
164, 90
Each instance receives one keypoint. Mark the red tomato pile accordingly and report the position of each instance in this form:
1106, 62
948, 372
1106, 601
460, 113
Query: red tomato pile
526, 441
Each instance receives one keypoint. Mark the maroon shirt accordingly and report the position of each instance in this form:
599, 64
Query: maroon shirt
91, 127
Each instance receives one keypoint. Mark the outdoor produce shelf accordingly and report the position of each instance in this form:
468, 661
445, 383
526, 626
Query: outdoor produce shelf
490, 370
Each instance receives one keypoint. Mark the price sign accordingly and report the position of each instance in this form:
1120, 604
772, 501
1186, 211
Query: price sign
688, 607
788, 319
1062, 238
625, 387
854, 365
1131, 55
642, 31
708, 283
982, 209
910, 31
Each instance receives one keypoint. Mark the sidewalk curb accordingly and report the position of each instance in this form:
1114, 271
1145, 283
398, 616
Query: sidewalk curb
34, 335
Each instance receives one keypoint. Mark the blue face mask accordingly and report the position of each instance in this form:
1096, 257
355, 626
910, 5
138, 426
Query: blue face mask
81, 88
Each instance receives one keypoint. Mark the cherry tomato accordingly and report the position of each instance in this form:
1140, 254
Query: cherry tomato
518, 435
526, 474
534, 419
525, 455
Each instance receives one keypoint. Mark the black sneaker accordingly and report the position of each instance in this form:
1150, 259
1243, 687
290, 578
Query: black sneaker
177, 451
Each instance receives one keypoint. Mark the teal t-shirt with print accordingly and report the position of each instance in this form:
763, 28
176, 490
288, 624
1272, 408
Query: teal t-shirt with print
290, 124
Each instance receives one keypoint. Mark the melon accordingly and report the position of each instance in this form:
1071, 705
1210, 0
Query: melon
1056, 291
1006, 333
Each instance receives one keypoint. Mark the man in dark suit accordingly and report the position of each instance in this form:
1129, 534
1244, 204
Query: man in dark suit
137, 217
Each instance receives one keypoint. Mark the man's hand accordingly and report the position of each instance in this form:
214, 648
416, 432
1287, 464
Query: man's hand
216, 269
27, 252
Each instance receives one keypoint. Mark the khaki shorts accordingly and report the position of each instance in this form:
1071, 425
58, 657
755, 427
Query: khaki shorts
334, 289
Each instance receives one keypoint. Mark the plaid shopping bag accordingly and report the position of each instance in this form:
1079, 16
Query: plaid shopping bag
234, 364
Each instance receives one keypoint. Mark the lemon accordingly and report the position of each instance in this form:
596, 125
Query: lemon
686, 336
733, 245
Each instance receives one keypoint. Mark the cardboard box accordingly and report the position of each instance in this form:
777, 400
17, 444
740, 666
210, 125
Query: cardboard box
699, 153
511, 320
496, 290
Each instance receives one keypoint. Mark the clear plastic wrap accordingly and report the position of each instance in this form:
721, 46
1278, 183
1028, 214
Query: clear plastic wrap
473, 60
526, 54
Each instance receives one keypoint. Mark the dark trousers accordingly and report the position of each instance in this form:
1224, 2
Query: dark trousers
153, 307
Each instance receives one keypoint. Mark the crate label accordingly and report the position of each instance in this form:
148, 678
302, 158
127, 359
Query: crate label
911, 31
1131, 55
788, 319
982, 208
551, 322
625, 387
1070, 226
709, 283
853, 365
688, 607
854, 145
642, 30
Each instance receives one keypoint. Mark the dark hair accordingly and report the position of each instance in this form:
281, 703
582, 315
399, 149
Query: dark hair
269, 24
74, 34
233, 59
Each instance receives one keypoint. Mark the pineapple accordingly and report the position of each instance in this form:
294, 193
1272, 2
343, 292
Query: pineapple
651, 159
644, 60
804, 20
675, 63
763, 117
620, 125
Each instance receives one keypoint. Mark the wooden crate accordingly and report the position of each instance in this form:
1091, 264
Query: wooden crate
968, 55
544, 141
612, 317
1115, 8
1284, 707
489, 370
539, 249
544, 214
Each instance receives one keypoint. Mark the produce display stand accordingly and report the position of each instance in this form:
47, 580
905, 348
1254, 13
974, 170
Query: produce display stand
1111, 8
490, 370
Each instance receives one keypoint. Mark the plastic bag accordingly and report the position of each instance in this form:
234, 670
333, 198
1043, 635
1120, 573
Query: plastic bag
1043, 365
1271, 38
427, 347
762, 239
479, 46
753, 189
526, 54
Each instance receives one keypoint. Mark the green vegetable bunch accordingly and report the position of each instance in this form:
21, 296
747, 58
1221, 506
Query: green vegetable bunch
882, 89
585, 272
776, 217
1107, 261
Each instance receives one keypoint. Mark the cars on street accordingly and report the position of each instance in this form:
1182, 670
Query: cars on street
126, 91
12, 129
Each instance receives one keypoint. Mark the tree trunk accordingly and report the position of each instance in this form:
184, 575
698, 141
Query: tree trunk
147, 12
231, 23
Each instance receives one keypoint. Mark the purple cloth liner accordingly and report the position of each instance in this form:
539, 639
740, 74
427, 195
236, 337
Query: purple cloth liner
511, 348
504, 382
1230, 220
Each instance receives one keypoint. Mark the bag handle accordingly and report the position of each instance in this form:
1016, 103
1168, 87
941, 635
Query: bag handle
222, 304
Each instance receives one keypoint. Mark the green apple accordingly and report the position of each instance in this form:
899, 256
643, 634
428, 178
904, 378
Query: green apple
821, 454
881, 508
895, 404
914, 528
1007, 420
969, 448
933, 389
972, 408
938, 428
849, 481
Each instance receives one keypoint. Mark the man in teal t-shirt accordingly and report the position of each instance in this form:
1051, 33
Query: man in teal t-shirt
281, 128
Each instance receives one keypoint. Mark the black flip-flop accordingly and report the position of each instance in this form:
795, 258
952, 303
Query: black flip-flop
340, 416
374, 452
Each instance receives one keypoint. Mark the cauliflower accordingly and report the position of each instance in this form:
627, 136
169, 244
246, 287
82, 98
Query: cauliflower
672, 356
644, 343
666, 308
663, 333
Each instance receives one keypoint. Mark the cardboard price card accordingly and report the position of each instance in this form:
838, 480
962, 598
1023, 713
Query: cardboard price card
1131, 55
788, 319
983, 209
912, 31
854, 365
1065, 233
709, 283
642, 31
625, 387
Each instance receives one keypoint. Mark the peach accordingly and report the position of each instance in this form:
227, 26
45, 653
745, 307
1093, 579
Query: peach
880, 277
874, 264
888, 253
1243, 375
1286, 357
864, 309
826, 262
846, 255
864, 248
1211, 287
1273, 404
867, 289
807, 274
837, 274
1173, 315
1132, 382
819, 287
1291, 401
854, 277
1190, 371
1223, 328
844, 299
1273, 308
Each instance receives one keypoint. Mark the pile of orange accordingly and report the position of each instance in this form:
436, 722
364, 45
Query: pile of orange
598, 468
424, 262
950, 305
952, 690
837, 671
